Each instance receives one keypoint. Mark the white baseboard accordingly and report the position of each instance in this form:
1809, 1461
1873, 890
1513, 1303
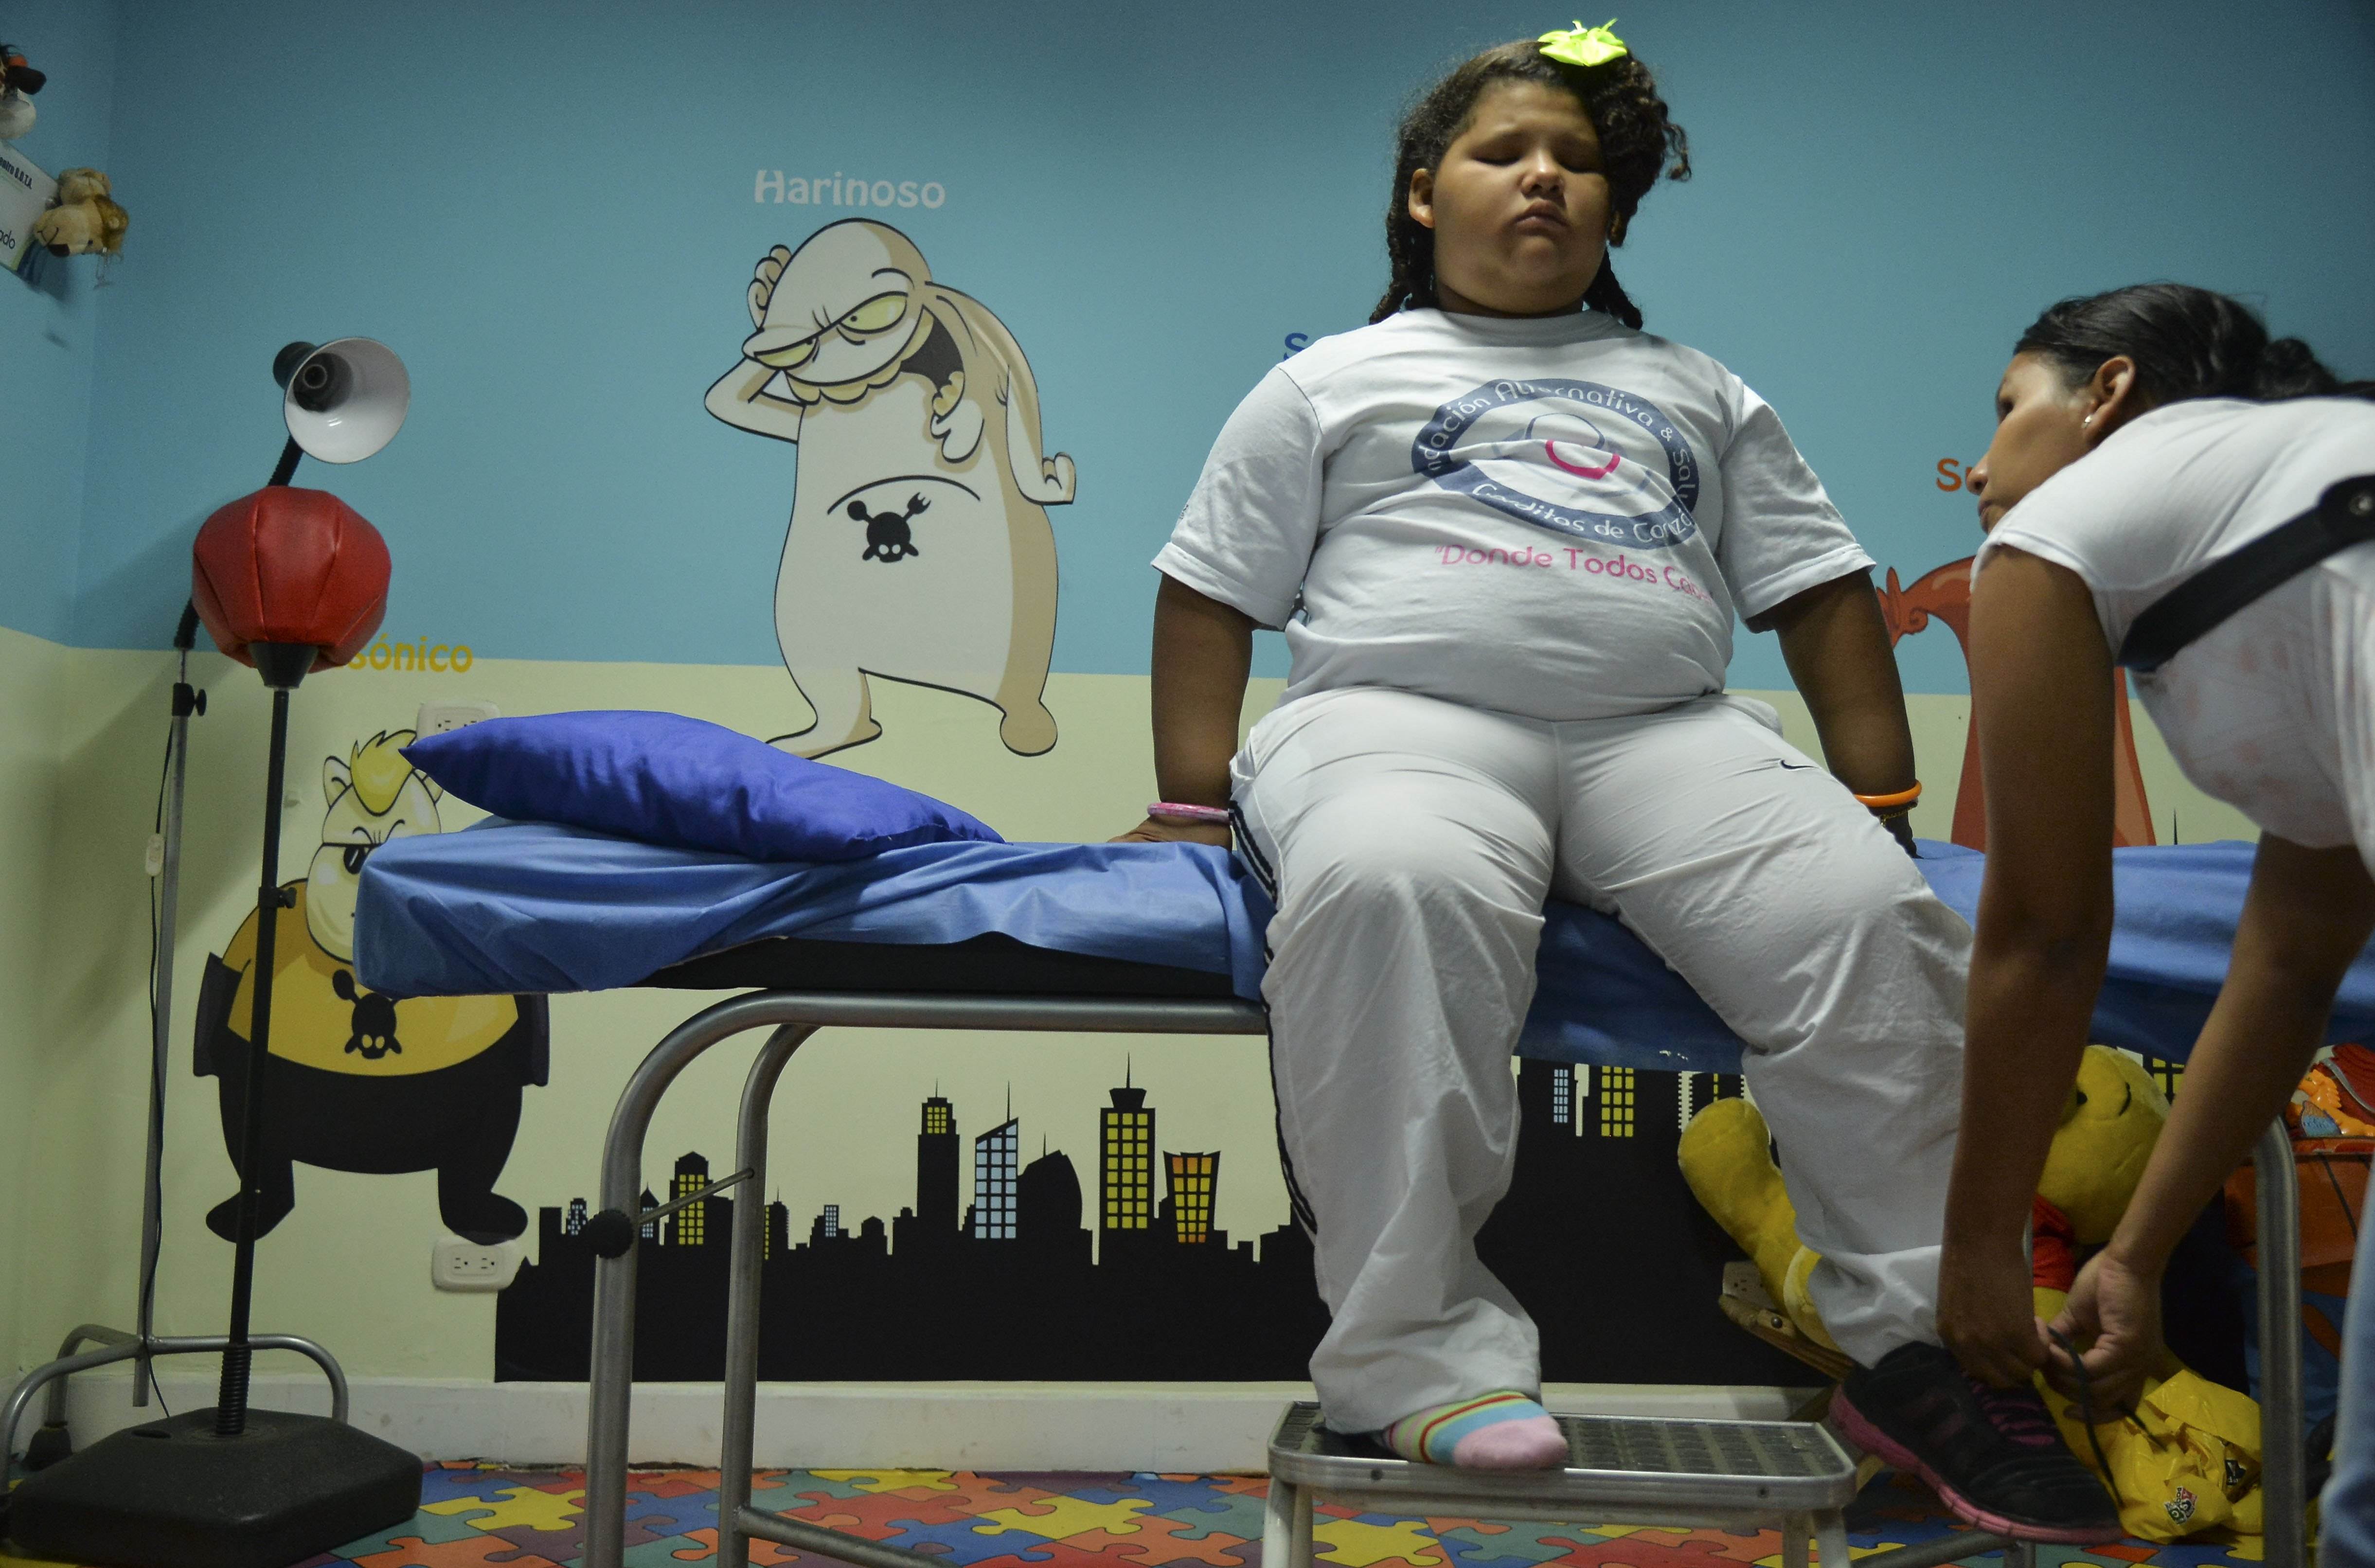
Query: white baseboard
1173, 1428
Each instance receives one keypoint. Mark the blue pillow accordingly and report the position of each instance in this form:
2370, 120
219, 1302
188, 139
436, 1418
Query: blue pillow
666, 779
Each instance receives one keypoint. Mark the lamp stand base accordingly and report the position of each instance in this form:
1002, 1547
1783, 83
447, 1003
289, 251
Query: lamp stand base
171, 1494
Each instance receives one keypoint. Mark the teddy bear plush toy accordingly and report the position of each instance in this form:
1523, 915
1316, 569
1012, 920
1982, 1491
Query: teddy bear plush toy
2186, 1463
84, 219
18, 83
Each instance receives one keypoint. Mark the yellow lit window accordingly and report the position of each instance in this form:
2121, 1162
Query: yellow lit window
1616, 1101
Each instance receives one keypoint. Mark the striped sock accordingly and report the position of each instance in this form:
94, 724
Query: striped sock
1433, 1434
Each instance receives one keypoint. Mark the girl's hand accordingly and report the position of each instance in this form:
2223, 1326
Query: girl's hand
2118, 1308
1156, 829
1987, 1317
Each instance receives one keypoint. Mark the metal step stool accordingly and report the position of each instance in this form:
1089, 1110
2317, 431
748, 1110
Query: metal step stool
1623, 1470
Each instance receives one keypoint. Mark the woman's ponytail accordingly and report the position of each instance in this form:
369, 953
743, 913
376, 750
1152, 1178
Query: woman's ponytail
2288, 369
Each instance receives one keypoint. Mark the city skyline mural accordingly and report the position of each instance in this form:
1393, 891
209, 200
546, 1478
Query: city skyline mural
1037, 1270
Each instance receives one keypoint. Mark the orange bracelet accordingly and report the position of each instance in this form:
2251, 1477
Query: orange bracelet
1898, 801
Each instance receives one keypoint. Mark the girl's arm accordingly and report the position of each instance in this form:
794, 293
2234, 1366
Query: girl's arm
1836, 645
2041, 706
1203, 651
2305, 920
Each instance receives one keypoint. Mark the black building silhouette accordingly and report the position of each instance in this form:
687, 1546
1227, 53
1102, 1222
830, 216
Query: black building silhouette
1599, 1236
709, 1221
938, 1159
1047, 1210
1603, 1242
1126, 1170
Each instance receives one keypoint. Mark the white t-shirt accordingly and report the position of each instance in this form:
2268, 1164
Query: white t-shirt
1550, 516
2272, 709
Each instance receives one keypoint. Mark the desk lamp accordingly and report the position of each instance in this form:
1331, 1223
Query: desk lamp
289, 582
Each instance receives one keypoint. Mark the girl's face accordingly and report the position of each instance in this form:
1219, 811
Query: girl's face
2044, 424
1519, 207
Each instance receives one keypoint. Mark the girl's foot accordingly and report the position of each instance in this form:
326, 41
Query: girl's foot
1502, 1430
1994, 1454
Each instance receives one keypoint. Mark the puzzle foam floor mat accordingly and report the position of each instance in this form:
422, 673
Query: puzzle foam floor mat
476, 1513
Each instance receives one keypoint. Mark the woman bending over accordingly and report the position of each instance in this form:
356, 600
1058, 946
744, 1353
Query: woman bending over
2144, 436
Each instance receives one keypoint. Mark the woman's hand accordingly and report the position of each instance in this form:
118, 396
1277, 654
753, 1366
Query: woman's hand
2114, 1312
1158, 830
1986, 1314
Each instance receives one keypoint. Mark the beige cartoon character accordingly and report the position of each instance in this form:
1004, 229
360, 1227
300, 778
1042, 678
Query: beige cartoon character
358, 1079
919, 549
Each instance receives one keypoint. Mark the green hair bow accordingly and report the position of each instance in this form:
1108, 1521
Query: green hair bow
1580, 45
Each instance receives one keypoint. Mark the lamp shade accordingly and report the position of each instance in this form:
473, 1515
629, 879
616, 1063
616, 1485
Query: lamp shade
343, 399
290, 566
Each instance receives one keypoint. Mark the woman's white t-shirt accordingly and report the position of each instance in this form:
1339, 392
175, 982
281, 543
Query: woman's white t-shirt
2273, 710
1555, 517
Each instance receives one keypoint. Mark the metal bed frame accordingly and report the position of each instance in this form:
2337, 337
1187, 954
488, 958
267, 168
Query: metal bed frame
793, 1015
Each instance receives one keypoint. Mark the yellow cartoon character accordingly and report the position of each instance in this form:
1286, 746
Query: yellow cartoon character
2109, 1127
358, 1079
919, 549
2186, 1462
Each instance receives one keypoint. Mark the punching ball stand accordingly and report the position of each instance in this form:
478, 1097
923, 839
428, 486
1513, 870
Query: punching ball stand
288, 581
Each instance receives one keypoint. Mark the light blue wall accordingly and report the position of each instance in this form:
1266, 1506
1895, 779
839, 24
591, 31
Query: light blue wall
547, 209
47, 319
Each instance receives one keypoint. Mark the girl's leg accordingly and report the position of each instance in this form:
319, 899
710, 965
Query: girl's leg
1758, 876
1810, 933
1408, 844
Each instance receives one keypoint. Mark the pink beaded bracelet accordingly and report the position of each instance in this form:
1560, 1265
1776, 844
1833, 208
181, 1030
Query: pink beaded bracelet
1175, 811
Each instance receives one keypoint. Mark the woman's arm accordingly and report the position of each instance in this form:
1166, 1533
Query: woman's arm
2041, 706
1836, 645
2305, 920
1203, 651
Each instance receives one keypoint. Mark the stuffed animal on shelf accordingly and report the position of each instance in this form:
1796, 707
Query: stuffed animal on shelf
18, 83
84, 219
2187, 1462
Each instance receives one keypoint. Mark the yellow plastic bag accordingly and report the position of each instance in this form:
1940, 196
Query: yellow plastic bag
2186, 1466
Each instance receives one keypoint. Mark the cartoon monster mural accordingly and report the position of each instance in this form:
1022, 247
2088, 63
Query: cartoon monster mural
360, 1080
918, 549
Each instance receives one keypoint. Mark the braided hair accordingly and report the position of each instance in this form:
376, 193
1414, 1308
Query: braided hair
1635, 139
2186, 342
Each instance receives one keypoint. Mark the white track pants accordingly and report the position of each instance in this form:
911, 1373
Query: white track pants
1412, 842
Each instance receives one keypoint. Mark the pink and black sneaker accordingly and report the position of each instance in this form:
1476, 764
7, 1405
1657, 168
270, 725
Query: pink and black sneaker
1993, 1454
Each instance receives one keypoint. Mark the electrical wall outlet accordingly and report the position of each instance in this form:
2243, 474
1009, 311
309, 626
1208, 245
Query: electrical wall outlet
436, 718
458, 1265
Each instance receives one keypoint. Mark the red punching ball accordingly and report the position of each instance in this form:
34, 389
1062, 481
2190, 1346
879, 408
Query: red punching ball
288, 566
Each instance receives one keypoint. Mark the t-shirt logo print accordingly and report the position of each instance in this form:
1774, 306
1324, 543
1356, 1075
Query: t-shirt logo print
1541, 452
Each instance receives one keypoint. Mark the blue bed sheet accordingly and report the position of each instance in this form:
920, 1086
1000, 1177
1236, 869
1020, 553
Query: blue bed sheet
534, 907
